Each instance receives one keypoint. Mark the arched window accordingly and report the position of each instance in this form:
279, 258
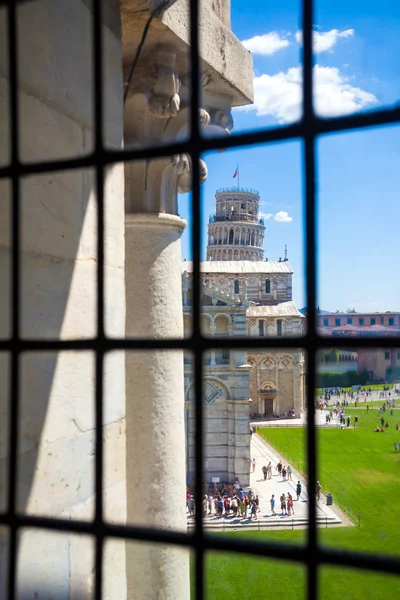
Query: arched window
267, 286
236, 286
231, 236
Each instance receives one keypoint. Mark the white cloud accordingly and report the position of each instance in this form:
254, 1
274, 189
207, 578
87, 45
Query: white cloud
325, 40
267, 44
280, 95
265, 216
283, 217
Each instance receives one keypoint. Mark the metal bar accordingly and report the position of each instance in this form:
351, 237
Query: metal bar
98, 102
307, 130
311, 277
15, 296
205, 343
389, 116
195, 140
287, 552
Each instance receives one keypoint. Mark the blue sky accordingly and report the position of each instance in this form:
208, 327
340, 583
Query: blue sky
356, 53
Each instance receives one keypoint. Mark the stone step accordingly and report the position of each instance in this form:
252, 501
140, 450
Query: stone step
265, 522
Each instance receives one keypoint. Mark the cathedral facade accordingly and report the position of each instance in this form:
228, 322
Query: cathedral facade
242, 295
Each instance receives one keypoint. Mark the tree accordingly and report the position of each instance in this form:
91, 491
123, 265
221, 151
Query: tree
351, 310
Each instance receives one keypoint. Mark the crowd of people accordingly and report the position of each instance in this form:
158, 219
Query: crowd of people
220, 504
230, 501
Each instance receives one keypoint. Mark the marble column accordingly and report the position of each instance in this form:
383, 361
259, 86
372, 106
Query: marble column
155, 405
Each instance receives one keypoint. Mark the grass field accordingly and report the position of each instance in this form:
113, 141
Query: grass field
361, 470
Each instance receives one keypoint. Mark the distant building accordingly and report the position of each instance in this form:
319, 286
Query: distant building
241, 294
382, 364
359, 324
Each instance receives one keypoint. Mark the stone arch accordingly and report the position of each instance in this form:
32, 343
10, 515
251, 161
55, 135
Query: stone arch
268, 385
248, 237
221, 323
242, 253
235, 254
231, 233
224, 254
252, 238
205, 324
236, 237
225, 235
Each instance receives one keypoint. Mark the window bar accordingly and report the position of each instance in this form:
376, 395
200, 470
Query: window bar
311, 275
98, 345
15, 295
198, 340
308, 129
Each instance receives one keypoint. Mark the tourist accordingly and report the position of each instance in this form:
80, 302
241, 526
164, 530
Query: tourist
289, 473
272, 501
220, 507
242, 508
234, 505
395, 446
257, 501
210, 503
191, 506
283, 473
269, 467
254, 464
348, 421
298, 490
265, 471
240, 494
318, 490
226, 506
288, 509
279, 467
254, 510
355, 421
289, 504
204, 504
283, 504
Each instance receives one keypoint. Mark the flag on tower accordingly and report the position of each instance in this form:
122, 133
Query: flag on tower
236, 172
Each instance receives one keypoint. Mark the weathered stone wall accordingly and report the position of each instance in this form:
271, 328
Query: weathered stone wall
58, 284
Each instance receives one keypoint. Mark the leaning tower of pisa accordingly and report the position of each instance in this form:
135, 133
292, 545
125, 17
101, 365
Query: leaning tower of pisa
235, 232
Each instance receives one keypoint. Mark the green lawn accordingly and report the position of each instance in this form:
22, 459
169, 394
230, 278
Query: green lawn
361, 470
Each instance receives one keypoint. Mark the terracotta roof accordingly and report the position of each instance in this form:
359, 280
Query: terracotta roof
239, 266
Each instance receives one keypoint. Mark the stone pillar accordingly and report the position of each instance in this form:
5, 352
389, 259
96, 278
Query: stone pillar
58, 288
155, 405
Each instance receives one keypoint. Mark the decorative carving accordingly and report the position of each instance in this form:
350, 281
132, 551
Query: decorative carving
285, 362
223, 118
210, 392
268, 363
252, 322
163, 97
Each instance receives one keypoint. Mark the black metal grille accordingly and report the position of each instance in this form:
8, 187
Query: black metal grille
307, 130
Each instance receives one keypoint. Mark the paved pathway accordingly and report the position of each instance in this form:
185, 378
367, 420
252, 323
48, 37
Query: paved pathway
263, 453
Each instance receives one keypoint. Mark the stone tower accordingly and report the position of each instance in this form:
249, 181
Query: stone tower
235, 232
